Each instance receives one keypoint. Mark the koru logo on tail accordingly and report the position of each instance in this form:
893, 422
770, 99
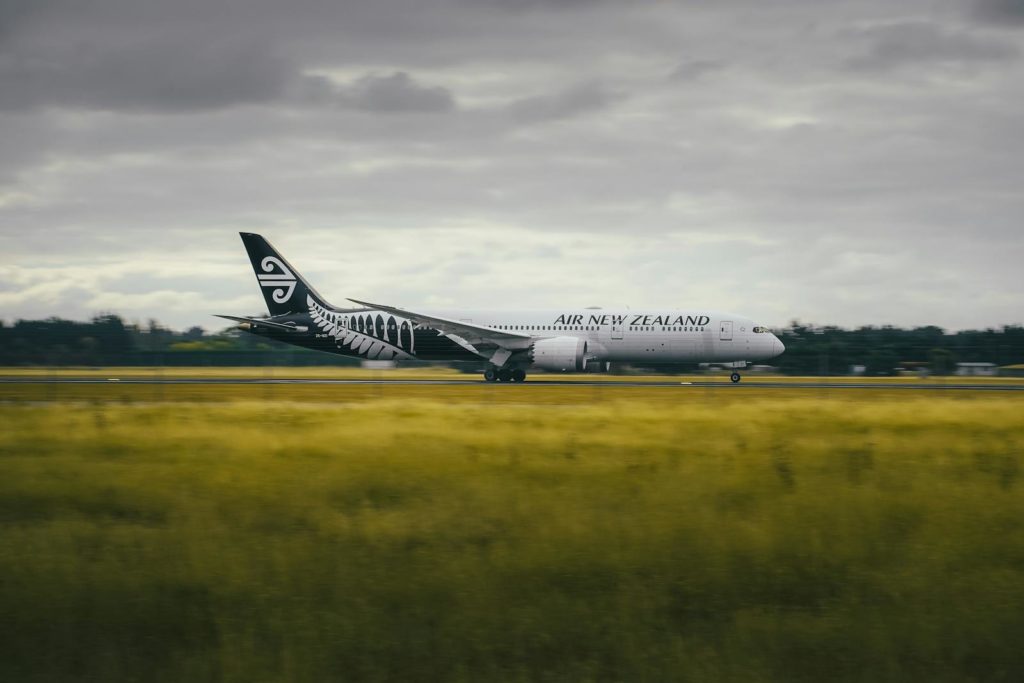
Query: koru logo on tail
283, 282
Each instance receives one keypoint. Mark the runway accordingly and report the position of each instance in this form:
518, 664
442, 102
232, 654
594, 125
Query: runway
908, 386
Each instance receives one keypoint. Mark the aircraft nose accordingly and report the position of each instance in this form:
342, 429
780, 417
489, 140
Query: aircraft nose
778, 346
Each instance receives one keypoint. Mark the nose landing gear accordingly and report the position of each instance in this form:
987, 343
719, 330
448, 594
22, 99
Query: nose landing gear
735, 377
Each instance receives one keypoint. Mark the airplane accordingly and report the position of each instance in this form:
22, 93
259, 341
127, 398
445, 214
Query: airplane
511, 342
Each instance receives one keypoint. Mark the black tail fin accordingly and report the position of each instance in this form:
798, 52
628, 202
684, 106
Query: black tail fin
283, 288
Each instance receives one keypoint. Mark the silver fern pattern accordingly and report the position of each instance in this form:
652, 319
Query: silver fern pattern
347, 333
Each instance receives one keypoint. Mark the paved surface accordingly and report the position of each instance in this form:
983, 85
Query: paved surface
930, 385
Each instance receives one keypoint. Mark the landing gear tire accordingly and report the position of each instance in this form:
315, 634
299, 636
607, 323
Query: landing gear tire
735, 377
490, 374
519, 375
504, 375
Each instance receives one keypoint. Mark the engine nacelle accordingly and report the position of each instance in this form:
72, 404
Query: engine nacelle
562, 354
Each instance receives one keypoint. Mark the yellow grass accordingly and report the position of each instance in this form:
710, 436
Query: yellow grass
552, 533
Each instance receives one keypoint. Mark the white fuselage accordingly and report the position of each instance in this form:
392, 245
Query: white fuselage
625, 335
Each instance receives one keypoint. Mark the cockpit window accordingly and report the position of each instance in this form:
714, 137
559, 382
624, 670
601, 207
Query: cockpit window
760, 330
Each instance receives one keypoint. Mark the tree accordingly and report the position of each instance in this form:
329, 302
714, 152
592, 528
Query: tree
940, 361
882, 362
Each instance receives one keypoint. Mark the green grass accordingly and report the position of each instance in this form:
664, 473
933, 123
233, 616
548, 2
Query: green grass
641, 537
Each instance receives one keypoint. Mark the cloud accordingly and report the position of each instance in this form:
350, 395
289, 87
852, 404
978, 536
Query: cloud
894, 45
691, 70
395, 93
185, 74
572, 101
138, 59
191, 55
12, 14
517, 5
1000, 11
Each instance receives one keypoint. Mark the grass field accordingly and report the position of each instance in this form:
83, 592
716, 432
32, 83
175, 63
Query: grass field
634, 534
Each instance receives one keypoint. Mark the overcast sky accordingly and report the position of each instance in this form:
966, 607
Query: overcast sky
846, 162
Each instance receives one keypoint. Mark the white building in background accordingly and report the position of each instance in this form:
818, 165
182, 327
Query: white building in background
977, 369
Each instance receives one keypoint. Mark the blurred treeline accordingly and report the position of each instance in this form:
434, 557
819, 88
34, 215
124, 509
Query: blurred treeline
810, 350
881, 350
109, 340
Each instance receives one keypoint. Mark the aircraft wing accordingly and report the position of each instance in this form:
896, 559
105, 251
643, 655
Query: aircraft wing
473, 334
256, 322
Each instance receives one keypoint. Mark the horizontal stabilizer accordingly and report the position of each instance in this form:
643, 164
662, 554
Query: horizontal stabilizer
256, 322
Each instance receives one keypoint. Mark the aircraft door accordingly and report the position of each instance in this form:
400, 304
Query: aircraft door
725, 330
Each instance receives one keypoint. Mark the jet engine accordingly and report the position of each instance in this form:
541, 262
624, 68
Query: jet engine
562, 354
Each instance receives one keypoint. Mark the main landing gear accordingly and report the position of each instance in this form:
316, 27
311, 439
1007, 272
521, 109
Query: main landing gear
493, 374
735, 377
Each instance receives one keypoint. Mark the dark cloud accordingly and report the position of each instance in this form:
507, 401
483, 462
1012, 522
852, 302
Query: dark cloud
578, 99
396, 93
16, 15
513, 5
1000, 11
908, 43
190, 55
691, 70
189, 72
23, 138
186, 73
12, 13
